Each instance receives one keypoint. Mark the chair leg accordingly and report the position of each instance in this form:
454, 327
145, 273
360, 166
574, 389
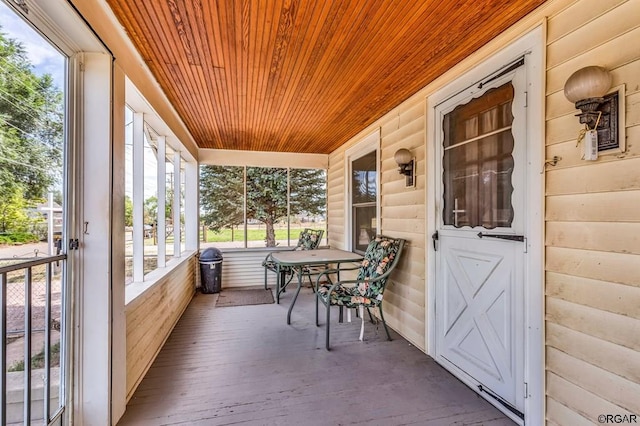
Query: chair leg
265, 278
317, 301
384, 322
328, 324
370, 316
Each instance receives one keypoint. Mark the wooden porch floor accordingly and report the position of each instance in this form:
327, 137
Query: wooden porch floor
245, 365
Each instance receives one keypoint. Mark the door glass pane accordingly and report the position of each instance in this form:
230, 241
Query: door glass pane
33, 212
478, 161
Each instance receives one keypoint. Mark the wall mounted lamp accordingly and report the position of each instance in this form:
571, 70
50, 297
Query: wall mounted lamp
406, 161
588, 89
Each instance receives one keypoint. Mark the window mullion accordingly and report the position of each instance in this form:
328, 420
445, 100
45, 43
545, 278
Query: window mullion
177, 232
138, 197
161, 220
244, 179
288, 206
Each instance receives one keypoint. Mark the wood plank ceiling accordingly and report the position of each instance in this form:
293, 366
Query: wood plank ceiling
302, 76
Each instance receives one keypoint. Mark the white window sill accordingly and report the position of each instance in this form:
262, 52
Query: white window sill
136, 289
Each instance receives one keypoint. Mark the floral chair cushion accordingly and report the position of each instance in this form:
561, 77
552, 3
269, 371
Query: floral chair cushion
309, 239
377, 259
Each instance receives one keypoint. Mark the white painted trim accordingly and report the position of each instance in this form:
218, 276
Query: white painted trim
119, 319
192, 206
177, 230
531, 44
137, 102
62, 26
227, 157
92, 404
138, 196
368, 143
161, 179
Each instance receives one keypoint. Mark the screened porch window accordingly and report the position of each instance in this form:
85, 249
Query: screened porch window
478, 161
245, 207
154, 198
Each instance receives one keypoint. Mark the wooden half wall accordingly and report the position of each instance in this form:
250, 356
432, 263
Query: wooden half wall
151, 317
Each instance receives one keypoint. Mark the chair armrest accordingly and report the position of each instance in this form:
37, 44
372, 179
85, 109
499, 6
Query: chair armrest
267, 259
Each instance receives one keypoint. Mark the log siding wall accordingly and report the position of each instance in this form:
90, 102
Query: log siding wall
151, 317
592, 215
592, 225
402, 212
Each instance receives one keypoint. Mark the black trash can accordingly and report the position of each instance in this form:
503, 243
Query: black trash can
211, 270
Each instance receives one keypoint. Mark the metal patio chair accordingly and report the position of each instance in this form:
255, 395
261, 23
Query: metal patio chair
366, 291
309, 239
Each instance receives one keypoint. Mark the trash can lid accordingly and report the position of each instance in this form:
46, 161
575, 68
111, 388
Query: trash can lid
211, 255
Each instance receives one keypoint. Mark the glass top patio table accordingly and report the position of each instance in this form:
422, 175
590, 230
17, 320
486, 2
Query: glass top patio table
299, 259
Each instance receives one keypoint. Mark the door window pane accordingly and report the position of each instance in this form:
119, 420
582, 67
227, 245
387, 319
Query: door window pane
478, 161
33, 212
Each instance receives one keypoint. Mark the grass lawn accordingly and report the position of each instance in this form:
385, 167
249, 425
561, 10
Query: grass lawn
252, 235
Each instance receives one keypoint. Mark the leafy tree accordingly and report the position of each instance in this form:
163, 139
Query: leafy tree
13, 208
128, 211
221, 196
31, 132
222, 193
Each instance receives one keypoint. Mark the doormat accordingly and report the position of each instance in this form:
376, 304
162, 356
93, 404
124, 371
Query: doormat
233, 297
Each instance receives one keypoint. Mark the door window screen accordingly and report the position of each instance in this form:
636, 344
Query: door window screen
478, 161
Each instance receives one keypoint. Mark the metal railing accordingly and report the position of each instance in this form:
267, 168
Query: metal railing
31, 293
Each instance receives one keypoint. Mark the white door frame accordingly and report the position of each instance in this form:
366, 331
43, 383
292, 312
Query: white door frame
532, 46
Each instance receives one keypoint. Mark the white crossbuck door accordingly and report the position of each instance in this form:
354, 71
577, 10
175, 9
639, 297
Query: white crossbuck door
479, 242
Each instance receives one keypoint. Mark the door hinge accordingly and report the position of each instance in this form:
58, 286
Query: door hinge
526, 390
526, 99
74, 244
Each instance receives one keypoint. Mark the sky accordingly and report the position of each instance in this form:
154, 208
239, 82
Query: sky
44, 57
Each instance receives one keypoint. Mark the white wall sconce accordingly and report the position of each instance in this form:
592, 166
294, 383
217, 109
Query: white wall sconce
406, 161
588, 89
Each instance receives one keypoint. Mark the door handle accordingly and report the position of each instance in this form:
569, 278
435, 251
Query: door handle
434, 237
502, 237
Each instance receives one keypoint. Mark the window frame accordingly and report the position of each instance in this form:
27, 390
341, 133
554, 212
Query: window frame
148, 120
365, 146
290, 242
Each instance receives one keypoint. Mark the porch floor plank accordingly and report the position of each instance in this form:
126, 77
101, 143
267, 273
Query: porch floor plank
245, 365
